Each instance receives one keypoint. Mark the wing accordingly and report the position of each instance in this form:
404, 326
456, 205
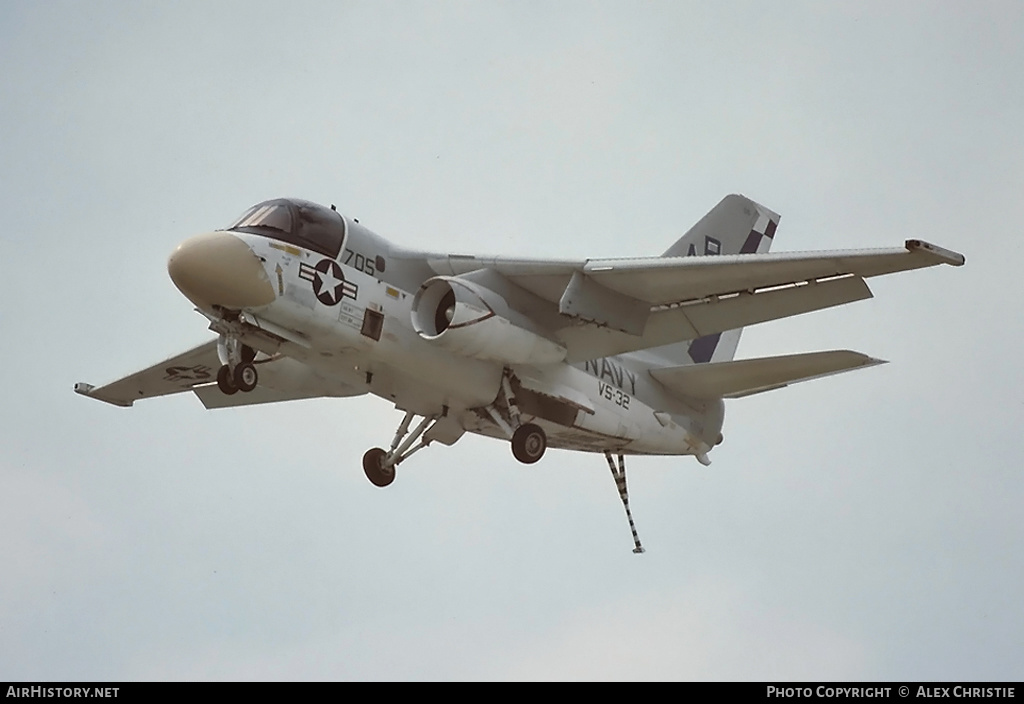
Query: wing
179, 373
196, 371
610, 306
666, 280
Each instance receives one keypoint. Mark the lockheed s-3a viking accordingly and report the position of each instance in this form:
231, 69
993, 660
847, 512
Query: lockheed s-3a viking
616, 356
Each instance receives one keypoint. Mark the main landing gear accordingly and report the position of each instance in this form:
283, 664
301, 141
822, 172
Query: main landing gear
237, 372
529, 441
528, 445
379, 465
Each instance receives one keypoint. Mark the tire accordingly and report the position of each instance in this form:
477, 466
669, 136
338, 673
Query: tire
245, 377
373, 466
529, 443
224, 381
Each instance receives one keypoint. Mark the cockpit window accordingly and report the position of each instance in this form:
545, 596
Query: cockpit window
297, 222
276, 217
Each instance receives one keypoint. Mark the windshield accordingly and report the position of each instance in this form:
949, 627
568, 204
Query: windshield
275, 217
297, 222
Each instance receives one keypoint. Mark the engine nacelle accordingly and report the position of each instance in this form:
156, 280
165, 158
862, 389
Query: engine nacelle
471, 320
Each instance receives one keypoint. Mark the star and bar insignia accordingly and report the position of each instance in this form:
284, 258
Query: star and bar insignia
328, 281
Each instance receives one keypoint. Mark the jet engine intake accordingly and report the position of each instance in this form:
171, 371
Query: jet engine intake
468, 319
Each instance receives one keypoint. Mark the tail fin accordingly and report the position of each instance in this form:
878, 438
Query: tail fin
737, 225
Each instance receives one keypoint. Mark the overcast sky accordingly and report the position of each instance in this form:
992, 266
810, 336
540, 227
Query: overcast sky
861, 527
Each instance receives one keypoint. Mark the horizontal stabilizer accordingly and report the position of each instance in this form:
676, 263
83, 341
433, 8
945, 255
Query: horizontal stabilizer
752, 376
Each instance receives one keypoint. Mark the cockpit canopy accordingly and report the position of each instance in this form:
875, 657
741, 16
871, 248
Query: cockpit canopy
297, 222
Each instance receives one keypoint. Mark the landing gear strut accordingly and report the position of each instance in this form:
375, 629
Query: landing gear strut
620, 482
379, 465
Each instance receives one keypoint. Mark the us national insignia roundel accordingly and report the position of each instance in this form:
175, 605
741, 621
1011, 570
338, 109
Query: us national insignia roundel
197, 373
328, 282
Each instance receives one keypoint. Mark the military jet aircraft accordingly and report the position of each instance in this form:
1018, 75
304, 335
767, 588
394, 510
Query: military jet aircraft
622, 357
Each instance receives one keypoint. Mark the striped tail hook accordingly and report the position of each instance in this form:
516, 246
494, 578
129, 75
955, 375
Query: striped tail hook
620, 482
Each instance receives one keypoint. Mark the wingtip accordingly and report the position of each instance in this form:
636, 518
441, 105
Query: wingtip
866, 360
946, 256
85, 389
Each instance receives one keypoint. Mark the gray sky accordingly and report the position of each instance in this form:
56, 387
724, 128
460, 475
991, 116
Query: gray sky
862, 527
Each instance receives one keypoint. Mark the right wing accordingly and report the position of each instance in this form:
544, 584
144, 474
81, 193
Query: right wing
196, 371
197, 366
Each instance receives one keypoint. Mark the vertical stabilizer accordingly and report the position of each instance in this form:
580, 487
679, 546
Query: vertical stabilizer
737, 225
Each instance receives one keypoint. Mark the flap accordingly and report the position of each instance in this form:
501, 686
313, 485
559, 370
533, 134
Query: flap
698, 319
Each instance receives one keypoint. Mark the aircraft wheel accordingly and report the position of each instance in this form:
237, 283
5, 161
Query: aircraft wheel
224, 381
529, 443
245, 377
373, 466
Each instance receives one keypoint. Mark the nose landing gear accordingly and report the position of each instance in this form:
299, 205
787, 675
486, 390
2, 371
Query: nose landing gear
225, 382
237, 372
245, 377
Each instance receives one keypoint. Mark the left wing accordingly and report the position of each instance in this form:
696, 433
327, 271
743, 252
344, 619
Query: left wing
180, 373
620, 305
666, 280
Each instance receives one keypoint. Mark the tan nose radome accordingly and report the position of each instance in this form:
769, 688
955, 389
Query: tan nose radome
219, 269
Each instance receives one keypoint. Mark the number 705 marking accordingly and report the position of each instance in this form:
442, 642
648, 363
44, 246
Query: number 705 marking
360, 263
